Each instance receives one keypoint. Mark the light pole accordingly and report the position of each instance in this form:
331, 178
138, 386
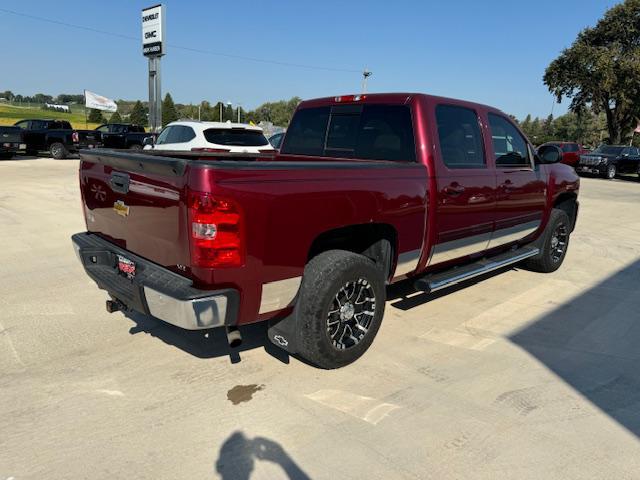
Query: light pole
221, 112
229, 104
365, 75
239, 112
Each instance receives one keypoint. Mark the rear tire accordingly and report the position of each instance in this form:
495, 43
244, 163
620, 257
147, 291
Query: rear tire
58, 151
339, 308
135, 146
553, 244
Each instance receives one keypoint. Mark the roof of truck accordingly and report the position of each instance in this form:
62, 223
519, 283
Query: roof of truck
396, 98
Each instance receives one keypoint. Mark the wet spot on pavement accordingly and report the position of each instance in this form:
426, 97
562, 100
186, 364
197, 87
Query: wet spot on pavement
243, 393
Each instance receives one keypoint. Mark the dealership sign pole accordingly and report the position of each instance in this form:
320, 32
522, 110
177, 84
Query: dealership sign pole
153, 30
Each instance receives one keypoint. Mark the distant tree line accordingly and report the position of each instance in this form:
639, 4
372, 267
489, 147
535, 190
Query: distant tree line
600, 71
587, 128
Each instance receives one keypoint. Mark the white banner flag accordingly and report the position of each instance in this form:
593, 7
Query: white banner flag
98, 102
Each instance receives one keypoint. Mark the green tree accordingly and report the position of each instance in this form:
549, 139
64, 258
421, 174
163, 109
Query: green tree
601, 69
138, 114
95, 116
278, 113
228, 113
169, 112
115, 118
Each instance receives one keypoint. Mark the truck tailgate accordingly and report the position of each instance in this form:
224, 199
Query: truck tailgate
137, 203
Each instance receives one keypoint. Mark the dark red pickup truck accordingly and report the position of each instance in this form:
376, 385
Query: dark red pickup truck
366, 190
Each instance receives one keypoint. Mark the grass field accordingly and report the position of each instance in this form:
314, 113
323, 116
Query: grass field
10, 114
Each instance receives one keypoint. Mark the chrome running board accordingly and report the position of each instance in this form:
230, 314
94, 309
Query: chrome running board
438, 281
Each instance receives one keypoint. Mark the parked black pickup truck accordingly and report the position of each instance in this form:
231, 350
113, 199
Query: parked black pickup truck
57, 137
10, 141
609, 160
123, 135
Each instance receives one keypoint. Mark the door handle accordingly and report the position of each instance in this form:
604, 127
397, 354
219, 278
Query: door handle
119, 182
454, 189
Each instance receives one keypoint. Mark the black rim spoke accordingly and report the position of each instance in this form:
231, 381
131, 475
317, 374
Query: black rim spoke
351, 313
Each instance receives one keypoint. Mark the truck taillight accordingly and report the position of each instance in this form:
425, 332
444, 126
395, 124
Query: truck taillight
75, 137
216, 231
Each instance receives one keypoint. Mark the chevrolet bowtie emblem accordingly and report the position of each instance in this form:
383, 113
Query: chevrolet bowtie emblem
120, 208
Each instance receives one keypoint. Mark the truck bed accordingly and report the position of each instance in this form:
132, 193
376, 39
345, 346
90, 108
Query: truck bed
276, 200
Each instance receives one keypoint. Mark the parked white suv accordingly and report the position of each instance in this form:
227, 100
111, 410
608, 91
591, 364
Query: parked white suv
227, 137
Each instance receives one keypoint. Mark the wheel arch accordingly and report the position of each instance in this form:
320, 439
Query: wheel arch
376, 241
568, 201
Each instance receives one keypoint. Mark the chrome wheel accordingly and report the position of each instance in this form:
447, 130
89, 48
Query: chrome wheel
611, 171
350, 314
56, 150
559, 241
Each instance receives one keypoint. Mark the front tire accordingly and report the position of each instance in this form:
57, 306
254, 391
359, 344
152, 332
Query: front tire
611, 172
553, 244
58, 151
339, 308
135, 146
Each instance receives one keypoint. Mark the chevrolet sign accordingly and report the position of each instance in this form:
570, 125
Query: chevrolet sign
153, 28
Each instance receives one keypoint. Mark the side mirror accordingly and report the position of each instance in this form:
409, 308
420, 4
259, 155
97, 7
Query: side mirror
148, 141
549, 154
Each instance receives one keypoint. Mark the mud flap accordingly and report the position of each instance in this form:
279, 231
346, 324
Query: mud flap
284, 333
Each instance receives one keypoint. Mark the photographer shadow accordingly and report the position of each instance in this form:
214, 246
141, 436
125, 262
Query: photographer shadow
238, 456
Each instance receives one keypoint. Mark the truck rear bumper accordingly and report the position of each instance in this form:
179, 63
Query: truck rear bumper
154, 290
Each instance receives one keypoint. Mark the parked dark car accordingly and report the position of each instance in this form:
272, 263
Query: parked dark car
56, 136
571, 151
123, 135
10, 141
609, 160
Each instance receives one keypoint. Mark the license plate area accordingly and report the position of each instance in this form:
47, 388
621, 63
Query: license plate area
126, 267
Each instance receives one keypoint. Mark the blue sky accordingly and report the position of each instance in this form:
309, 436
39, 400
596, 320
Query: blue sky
493, 52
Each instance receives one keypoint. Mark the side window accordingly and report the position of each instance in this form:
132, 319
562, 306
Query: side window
24, 125
103, 129
510, 148
164, 136
460, 137
37, 125
186, 134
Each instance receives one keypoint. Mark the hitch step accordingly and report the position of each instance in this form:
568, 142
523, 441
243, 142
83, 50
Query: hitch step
438, 281
115, 306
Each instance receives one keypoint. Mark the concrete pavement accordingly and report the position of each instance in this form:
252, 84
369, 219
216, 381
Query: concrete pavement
521, 375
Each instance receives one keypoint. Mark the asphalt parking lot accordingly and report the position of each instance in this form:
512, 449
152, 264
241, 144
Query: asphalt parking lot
522, 375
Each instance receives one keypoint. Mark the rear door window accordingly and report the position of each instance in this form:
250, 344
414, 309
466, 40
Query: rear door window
370, 132
461, 144
235, 137
164, 136
509, 146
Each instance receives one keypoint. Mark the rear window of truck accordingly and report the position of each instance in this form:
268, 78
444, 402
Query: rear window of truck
235, 137
370, 132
